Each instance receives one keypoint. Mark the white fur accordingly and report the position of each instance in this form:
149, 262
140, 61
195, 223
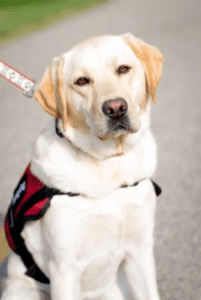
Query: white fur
81, 241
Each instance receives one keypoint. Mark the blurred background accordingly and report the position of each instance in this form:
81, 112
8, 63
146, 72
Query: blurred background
22, 17
33, 32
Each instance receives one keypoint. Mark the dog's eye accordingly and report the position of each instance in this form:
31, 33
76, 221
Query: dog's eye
123, 69
82, 81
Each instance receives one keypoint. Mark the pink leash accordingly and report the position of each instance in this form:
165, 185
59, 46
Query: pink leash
17, 78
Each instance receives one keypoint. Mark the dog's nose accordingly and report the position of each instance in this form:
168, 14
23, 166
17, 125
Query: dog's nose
115, 109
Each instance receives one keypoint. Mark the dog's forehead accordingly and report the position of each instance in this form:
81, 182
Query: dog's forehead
99, 50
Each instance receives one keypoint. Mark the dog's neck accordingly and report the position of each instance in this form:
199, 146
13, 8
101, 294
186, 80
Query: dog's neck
91, 145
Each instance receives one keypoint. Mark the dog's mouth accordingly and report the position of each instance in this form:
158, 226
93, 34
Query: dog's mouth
119, 126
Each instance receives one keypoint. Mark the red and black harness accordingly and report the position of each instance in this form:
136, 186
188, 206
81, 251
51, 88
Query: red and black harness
30, 202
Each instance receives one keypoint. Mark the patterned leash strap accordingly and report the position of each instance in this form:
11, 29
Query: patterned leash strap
26, 84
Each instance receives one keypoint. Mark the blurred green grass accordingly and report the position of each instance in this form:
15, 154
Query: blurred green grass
20, 17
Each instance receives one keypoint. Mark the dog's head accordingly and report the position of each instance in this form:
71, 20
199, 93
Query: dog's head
102, 85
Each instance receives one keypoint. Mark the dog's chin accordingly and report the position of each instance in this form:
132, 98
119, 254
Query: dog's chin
116, 132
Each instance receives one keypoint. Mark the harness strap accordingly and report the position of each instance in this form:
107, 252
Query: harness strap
157, 188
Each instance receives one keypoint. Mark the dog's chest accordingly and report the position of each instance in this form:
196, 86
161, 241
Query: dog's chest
93, 234
58, 165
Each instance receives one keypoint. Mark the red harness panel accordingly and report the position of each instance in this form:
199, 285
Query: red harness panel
30, 201
28, 186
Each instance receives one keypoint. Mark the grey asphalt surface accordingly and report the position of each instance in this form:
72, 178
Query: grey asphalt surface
174, 27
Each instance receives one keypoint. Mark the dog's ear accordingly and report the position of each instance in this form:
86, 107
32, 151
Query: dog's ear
151, 59
49, 92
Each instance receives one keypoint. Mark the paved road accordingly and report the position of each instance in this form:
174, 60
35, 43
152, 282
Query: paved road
175, 27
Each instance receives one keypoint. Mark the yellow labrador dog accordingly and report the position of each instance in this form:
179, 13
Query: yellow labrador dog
93, 169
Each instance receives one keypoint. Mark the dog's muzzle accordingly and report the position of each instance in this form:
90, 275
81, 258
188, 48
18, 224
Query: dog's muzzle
116, 113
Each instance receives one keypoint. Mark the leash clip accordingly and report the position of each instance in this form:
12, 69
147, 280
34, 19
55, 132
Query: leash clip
30, 89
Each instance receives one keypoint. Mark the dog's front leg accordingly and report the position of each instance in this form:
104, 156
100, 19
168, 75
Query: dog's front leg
64, 281
18, 285
139, 267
